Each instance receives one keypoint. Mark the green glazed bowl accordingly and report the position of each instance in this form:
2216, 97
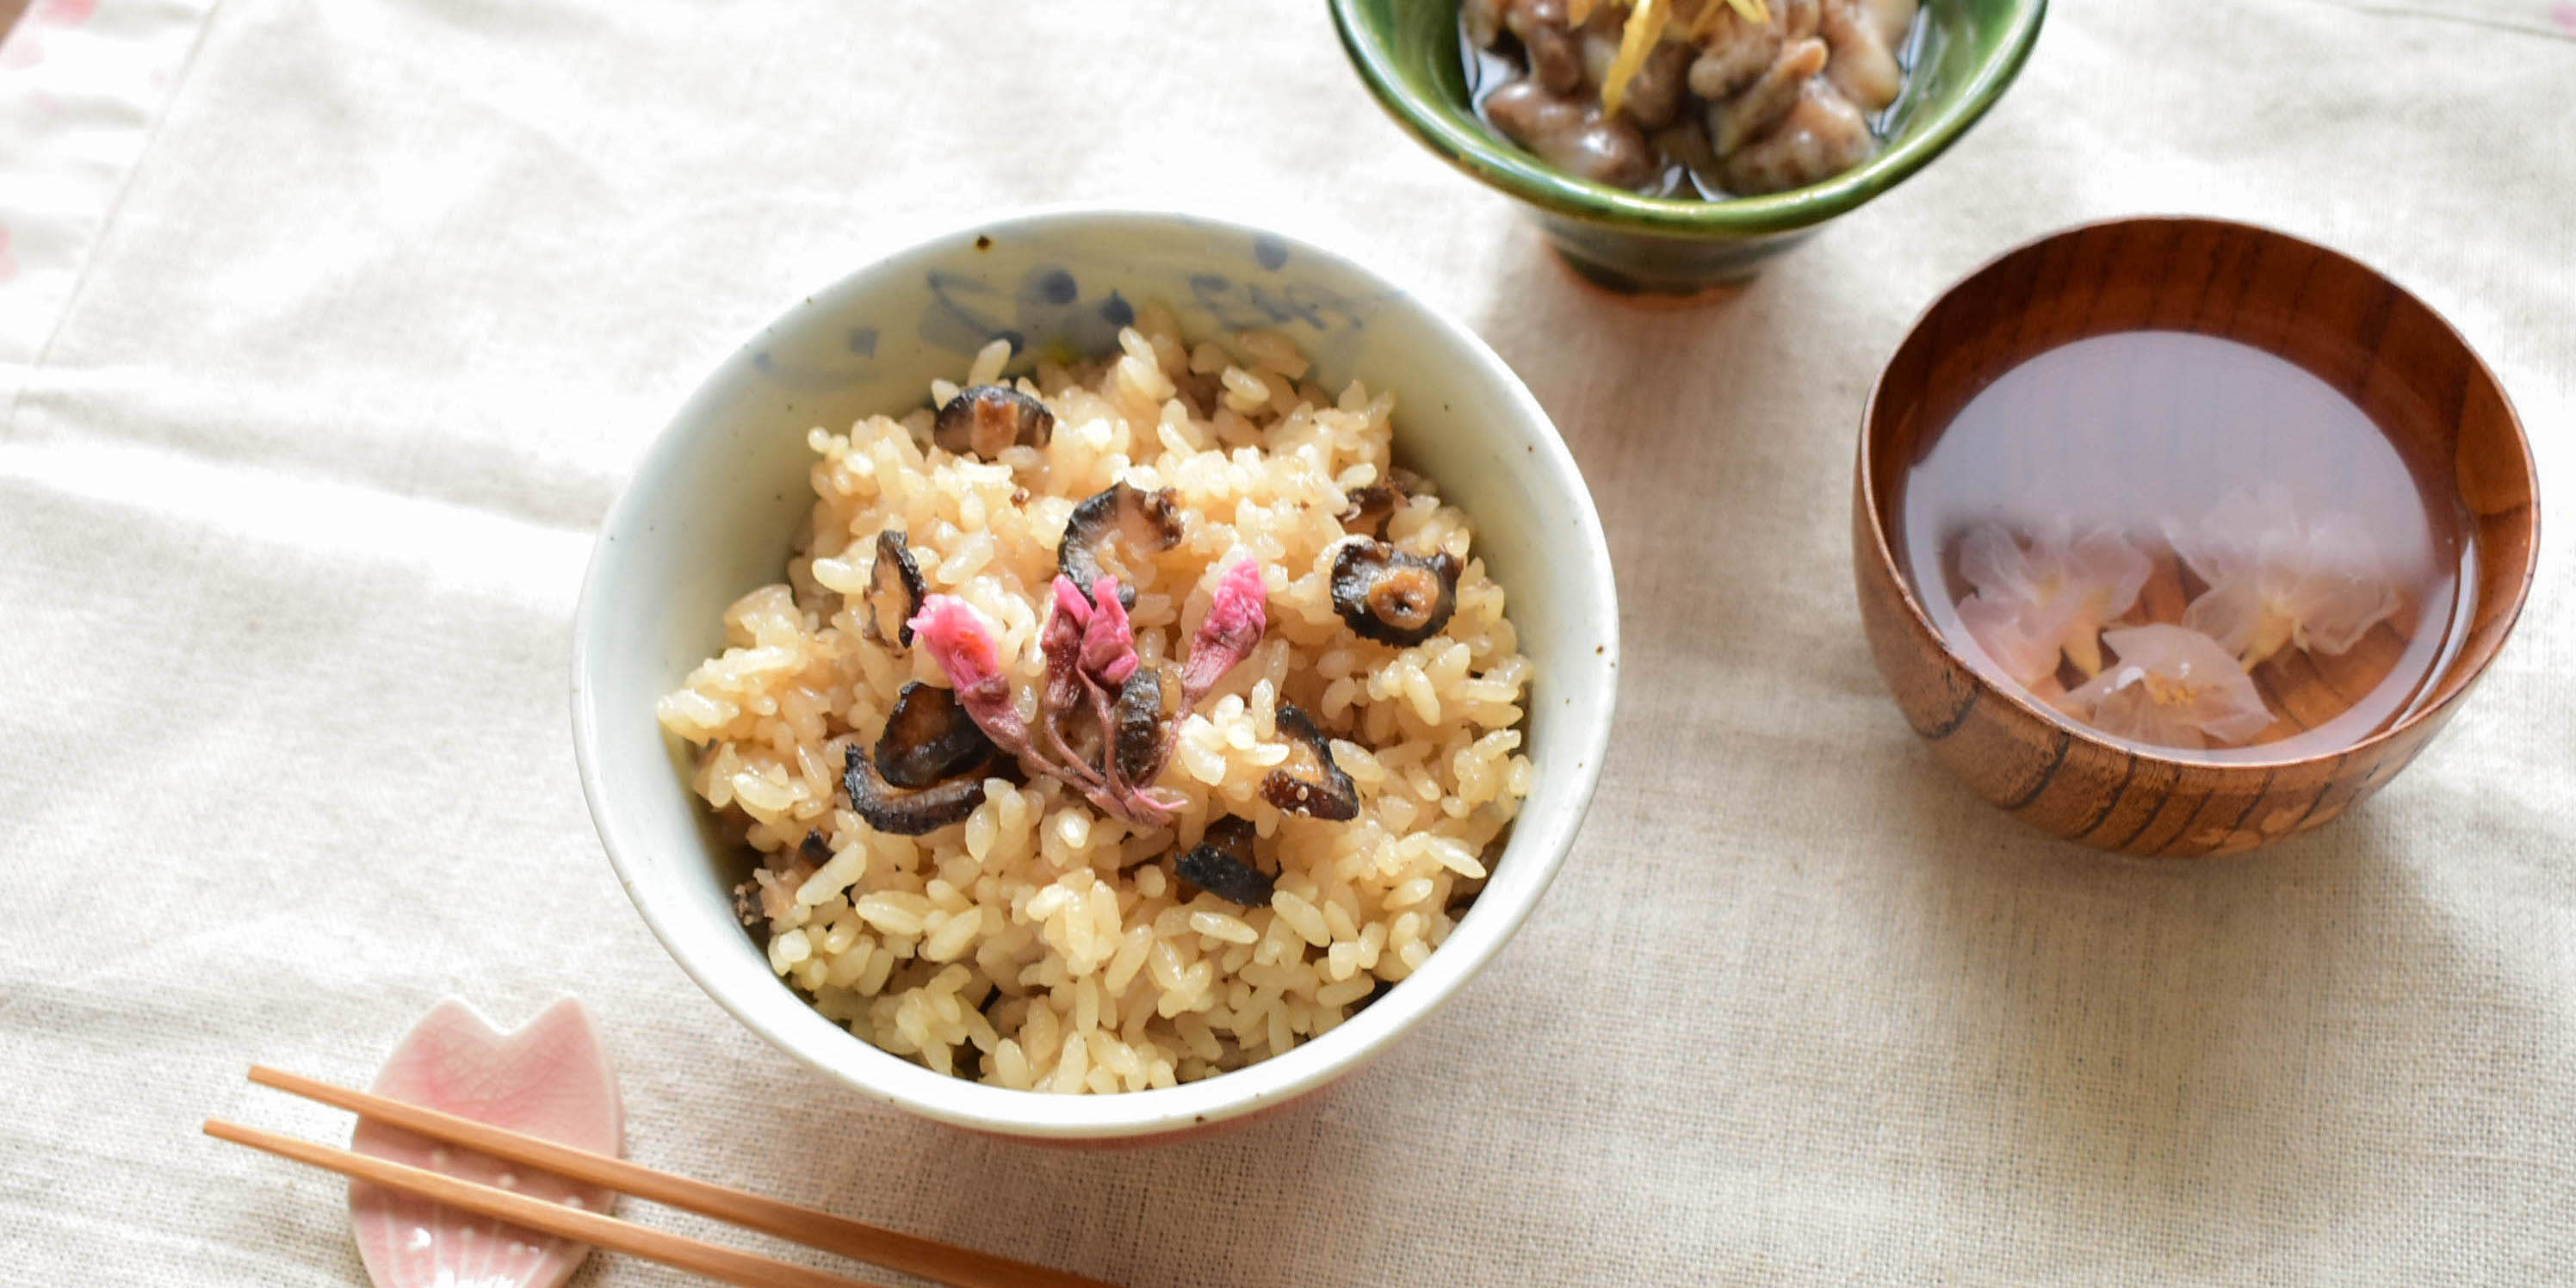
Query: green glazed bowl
1411, 56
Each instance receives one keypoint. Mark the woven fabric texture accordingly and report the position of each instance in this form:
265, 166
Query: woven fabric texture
329, 328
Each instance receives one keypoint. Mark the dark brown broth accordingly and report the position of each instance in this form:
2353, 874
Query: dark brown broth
2168, 439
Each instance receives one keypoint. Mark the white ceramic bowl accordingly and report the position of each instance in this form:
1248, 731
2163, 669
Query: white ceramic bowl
715, 503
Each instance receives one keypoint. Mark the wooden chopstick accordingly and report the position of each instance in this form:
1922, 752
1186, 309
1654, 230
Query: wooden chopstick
731, 1265
892, 1249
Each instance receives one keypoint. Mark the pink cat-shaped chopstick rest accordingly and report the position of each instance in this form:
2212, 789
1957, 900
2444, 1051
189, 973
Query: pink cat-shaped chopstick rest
551, 1078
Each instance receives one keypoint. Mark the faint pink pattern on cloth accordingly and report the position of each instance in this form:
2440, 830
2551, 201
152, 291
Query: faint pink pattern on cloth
2564, 14
25, 46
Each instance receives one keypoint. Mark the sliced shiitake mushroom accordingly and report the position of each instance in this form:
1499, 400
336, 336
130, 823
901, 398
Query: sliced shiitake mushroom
895, 590
1146, 521
929, 739
983, 419
1308, 782
1222, 865
1393, 596
906, 811
1138, 744
1370, 507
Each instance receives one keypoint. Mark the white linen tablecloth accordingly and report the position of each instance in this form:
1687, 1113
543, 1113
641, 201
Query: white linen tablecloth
328, 329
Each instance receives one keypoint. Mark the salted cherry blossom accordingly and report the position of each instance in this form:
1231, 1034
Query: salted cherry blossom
1060, 644
1089, 647
2277, 577
1233, 626
2034, 602
961, 640
2171, 686
1108, 638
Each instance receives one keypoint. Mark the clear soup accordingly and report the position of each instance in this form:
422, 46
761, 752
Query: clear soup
2188, 545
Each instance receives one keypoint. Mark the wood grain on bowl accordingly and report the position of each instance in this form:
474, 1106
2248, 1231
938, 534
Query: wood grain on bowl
2360, 333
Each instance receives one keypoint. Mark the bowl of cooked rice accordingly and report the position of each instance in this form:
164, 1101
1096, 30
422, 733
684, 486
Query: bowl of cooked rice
1096, 675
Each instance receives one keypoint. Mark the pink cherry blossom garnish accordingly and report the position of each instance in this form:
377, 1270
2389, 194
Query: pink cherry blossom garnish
1089, 647
1108, 639
1235, 620
2173, 687
961, 641
551, 1078
1060, 644
2034, 603
2277, 577
1071, 605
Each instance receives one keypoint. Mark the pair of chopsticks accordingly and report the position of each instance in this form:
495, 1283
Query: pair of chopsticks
910, 1254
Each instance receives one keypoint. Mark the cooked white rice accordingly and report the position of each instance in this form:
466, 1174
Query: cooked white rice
1041, 944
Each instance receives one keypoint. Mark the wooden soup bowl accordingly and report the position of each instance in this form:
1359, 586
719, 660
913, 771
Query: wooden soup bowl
2354, 329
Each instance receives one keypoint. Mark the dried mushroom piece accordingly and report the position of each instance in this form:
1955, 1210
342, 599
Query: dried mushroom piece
1222, 865
930, 739
1370, 508
983, 419
1146, 521
1139, 744
1308, 782
895, 591
1392, 596
906, 811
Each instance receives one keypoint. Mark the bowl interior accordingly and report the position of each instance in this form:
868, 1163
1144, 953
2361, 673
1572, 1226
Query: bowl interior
1410, 55
713, 509
2352, 328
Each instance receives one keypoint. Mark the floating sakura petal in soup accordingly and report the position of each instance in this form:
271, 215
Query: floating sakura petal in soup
2033, 603
2277, 577
2024, 652
551, 1079
2171, 686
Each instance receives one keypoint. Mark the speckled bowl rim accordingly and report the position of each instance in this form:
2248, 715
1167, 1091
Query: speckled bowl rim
2468, 668
1541, 843
1496, 162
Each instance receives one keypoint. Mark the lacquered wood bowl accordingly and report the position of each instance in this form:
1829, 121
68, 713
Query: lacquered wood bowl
2356, 330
